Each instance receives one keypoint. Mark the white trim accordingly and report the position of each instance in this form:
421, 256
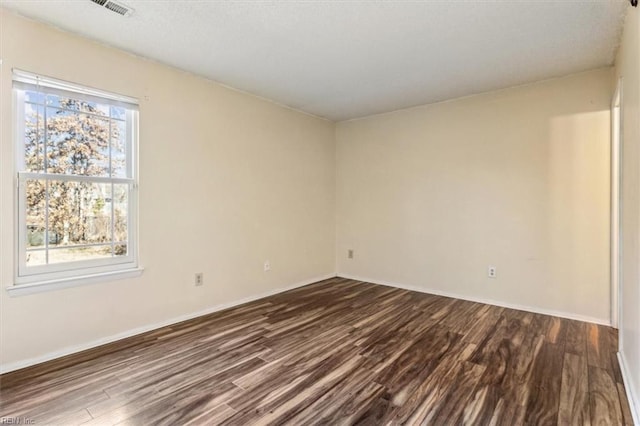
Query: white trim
634, 402
74, 281
19, 256
616, 161
150, 327
25, 80
502, 304
22, 176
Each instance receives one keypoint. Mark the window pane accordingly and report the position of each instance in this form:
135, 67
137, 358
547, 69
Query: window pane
33, 137
77, 144
60, 255
118, 148
36, 257
120, 211
78, 105
120, 250
118, 113
79, 213
67, 220
35, 97
53, 100
35, 219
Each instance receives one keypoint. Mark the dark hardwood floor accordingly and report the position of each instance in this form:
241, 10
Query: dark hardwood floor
337, 352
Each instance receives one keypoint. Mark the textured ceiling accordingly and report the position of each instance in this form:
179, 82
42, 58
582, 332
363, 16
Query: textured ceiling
346, 59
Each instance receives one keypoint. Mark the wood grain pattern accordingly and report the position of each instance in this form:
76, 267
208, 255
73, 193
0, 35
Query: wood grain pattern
605, 407
337, 352
544, 399
574, 391
599, 347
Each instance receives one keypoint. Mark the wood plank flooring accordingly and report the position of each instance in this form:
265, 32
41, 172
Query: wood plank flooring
337, 352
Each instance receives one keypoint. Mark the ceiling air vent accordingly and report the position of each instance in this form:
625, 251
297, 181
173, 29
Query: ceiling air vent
113, 6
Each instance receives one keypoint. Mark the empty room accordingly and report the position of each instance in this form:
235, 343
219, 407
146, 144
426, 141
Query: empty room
319, 212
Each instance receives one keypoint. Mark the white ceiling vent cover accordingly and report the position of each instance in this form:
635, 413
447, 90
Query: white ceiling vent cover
113, 6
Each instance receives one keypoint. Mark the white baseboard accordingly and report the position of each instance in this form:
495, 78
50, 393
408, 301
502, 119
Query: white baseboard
5, 368
634, 402
518, 307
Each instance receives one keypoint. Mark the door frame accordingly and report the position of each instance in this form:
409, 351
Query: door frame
616, 207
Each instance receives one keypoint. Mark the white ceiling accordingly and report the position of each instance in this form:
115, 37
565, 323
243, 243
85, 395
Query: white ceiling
346, 59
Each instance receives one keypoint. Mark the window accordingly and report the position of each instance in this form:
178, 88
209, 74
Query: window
76, 178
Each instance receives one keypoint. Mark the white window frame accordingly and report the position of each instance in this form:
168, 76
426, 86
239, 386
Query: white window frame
51, 276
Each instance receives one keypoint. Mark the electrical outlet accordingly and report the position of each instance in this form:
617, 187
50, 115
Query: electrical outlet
267, 266
492, 272
350, 253
199, 279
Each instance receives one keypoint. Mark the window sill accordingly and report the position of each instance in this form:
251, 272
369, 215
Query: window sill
42, 286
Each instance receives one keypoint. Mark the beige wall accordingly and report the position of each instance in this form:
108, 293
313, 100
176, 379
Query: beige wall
628, 68
227, 181
429, 197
